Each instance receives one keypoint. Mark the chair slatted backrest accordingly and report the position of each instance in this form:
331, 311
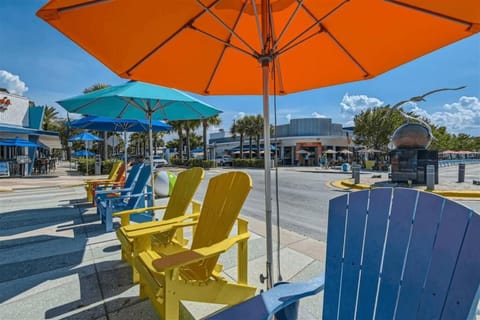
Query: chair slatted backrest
183, 191
221, 206
401, 253
142, 180
115, 169
133, 175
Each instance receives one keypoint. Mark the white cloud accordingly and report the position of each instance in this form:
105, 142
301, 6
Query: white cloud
354, 104
288, 117
318, 115
239, 115
12, 83
457, 117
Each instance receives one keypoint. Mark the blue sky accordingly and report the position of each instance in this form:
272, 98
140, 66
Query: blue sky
40, 63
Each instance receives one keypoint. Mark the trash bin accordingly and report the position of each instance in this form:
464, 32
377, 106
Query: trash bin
345, 167
356, 173
461, 172
98, 164
430, 177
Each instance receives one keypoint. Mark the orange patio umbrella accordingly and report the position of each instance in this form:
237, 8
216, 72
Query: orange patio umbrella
259, 46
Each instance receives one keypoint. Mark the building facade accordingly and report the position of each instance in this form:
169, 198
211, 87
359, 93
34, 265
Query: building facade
300, 142
18, 118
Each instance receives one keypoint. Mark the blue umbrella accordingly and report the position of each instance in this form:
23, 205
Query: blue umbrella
18, 142
116, 124
138, 100
85, 136
83, 153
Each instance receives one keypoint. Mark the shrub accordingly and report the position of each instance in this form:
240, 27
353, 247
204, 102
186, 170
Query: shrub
248, 163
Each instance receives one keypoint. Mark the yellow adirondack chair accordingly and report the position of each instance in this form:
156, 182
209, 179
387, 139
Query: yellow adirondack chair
182, 196
193, 274
91, 184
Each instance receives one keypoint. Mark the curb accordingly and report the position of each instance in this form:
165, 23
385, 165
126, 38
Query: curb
346, 184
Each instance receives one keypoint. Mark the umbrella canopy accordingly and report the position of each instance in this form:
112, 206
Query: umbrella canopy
18, 142
85, 136
116, 124
330, 152
260, 46
83, 153
345, 151
138, 100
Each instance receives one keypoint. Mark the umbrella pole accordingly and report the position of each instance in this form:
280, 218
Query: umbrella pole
150, 156
268, 197
125, 149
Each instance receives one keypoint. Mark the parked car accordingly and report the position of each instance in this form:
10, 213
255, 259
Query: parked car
158, 161
223, 160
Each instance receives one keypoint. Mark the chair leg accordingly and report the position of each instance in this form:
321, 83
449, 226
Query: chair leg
108, 220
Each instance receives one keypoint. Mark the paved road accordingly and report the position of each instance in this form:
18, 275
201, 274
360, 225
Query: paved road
303, 198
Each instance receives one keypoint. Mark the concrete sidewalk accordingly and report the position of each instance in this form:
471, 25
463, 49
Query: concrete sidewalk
56, 262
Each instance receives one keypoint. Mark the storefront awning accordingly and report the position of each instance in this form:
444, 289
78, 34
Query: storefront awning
53, 142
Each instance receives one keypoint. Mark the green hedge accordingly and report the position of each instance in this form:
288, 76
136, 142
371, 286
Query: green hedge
192, 163
106, 166
248, 163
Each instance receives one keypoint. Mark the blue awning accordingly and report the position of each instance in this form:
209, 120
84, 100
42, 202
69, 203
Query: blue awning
23, 130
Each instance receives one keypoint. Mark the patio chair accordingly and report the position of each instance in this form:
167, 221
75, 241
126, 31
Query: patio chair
193, 274
91, 183
391, 253
181, 198
118, 181
137, 198
118, 188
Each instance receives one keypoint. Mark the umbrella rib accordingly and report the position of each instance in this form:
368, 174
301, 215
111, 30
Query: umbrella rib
436, 14
222, 54
171, 37
82, 5
224, 25
134, 103
257, 20
289, 22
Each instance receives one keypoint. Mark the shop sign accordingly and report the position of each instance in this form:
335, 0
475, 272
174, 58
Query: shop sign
4, 103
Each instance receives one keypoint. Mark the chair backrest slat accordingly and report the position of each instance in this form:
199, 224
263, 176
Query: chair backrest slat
143, 178
461, 292
427, 216
132, 175
444, 258
333, 268
183, 191
399, 229
379, 208
355, 232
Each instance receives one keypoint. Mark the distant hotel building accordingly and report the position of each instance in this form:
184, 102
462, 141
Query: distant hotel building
301, 142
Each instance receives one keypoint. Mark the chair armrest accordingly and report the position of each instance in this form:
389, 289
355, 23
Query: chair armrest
125, 215
165, 226
192, 256
106, 192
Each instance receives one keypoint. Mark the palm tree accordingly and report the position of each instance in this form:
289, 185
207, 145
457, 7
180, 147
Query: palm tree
177, 126
50, 116
250, 132
212, 121
95, 87
239, 127
190, 125
258, 129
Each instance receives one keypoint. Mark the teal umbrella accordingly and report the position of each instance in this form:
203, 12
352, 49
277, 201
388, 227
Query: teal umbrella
85, 136
138, 100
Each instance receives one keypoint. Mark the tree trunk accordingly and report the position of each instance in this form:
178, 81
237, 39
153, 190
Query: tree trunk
250, 147
204, 122
187, 132
180, 144
241, 146
105, 145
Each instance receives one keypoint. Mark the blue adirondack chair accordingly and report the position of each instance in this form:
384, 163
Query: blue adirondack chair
103, 192
137, 198
391, 254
